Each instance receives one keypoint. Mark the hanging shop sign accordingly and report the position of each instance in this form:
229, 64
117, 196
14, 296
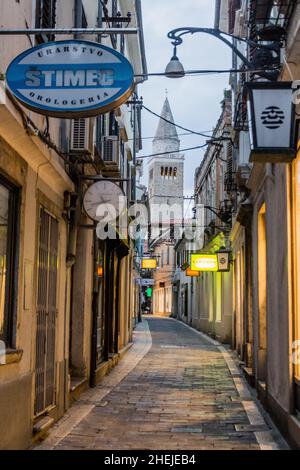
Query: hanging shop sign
223, 260
71, 79
272, 122
204, 262
149, 263
190, 273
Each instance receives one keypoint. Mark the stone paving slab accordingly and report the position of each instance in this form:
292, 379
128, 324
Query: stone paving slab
176, 389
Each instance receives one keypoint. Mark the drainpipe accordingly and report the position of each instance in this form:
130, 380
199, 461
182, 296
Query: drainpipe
75, 215
138, 8
95, 307
133, 179
217, 14
93, 381
100, 15
78, 15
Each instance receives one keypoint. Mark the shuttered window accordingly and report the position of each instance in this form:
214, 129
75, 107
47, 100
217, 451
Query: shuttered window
46, 313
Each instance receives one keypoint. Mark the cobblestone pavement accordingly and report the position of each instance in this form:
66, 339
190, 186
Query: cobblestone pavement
183, 391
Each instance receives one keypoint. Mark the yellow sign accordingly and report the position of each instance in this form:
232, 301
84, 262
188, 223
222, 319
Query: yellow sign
201, 262
149, 263
189, 272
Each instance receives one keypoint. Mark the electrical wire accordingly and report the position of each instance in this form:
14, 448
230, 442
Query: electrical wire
174, 197
179, 135
207, 72
176, 125
174, 151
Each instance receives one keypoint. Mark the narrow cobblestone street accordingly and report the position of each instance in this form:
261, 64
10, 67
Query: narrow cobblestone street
174, 389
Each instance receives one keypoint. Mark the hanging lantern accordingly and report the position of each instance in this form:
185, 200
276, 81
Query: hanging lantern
271, 122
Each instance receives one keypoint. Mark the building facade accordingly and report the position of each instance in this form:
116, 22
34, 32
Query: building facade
205, 301
62, 325
262, 289
185, 302
263, 235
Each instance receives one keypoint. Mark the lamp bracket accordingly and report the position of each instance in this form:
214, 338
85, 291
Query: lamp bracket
176, 37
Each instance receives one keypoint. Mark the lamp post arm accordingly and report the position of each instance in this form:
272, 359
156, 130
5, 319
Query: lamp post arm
176, 37
214, 211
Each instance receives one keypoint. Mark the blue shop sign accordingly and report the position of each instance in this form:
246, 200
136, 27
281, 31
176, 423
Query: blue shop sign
70, 79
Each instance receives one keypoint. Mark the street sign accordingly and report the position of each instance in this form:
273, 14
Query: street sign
146, 282
71, 79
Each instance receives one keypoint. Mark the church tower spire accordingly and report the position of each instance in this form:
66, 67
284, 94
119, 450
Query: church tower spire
166, 137
166, 170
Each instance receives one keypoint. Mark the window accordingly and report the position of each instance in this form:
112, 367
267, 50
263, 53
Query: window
162, 171
175, 173
113, 124
8, 227
45, 18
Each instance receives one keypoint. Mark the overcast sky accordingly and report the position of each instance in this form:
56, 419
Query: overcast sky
195, 101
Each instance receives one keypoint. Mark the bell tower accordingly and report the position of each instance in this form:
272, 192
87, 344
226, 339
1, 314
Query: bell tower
166, 171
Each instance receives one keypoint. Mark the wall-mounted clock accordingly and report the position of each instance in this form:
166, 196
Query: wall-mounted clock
104, 193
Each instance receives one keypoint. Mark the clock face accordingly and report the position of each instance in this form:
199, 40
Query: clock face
104, 199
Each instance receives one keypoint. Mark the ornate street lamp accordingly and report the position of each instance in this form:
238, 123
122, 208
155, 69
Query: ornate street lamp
223, 256
266, 57
272, 122
175, 68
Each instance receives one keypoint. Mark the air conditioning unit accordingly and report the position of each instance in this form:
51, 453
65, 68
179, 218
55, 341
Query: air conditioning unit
82, 136
111, 151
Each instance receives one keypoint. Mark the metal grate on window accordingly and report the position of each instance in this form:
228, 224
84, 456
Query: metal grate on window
46, 313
